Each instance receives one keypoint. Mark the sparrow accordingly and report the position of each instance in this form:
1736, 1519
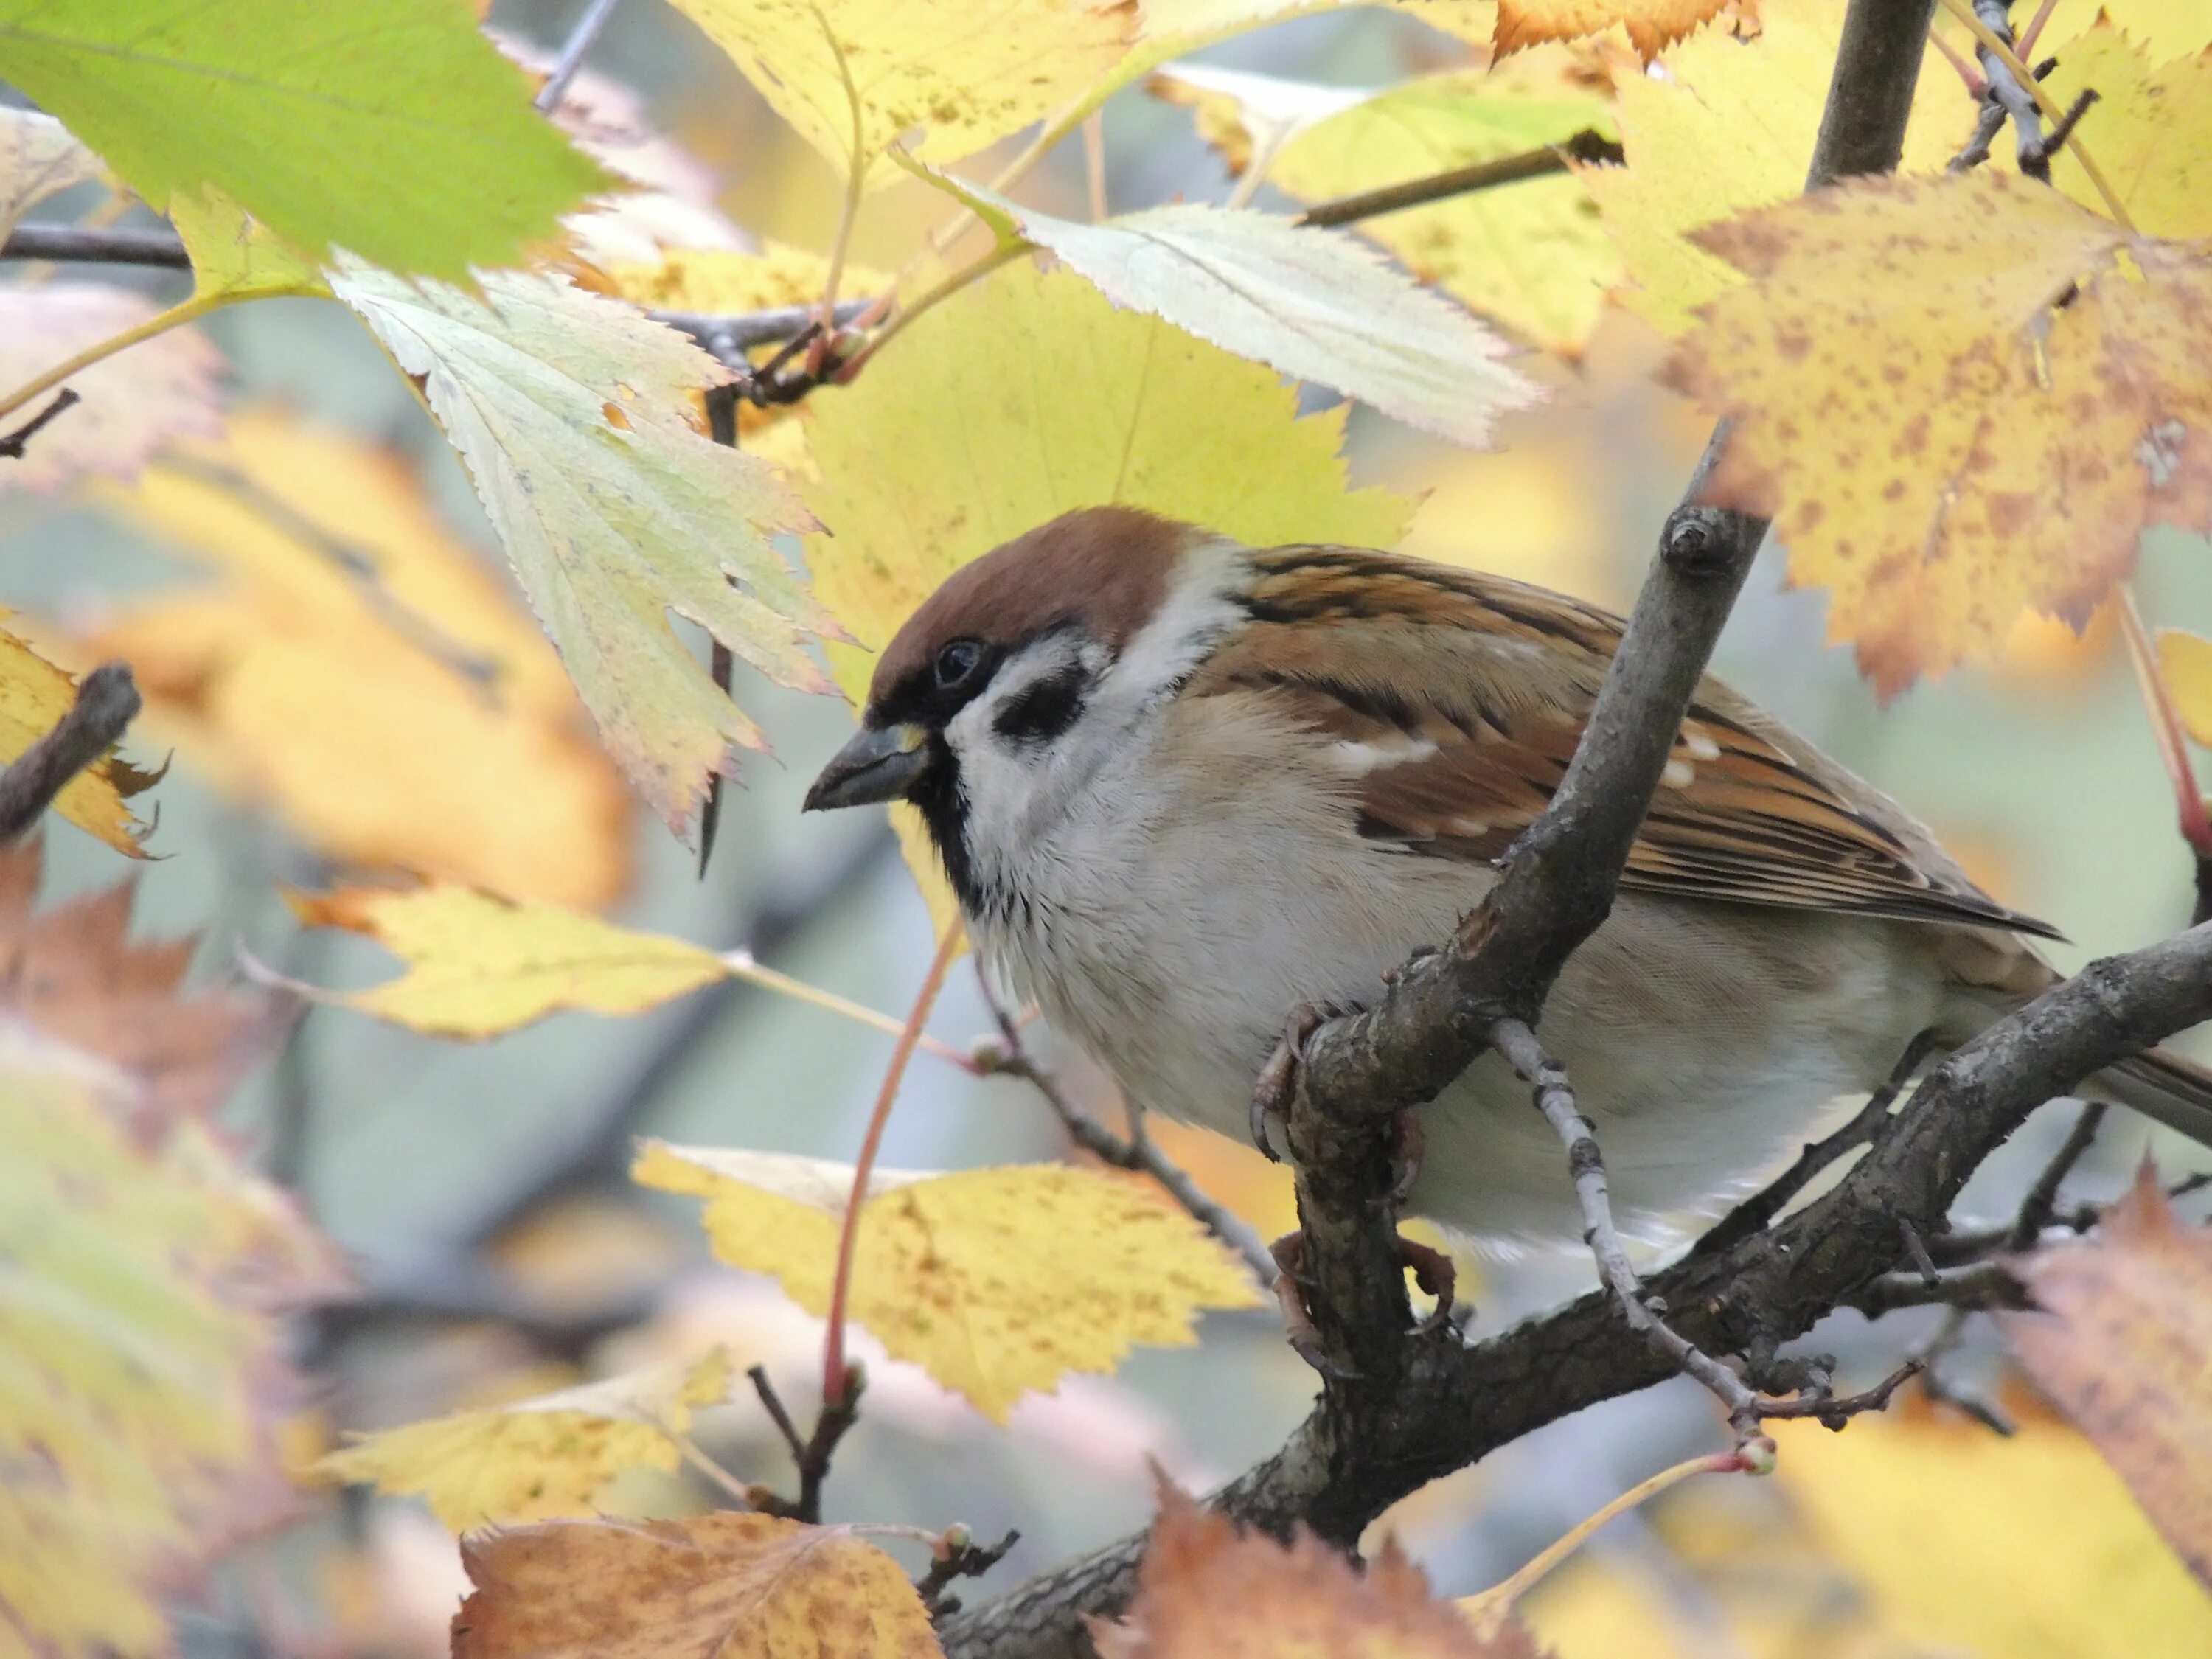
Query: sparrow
1184, 788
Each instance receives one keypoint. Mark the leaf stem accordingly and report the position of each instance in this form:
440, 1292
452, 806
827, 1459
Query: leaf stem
1988, 39
855, 181
693, 1454
99, 350
1489, 1609
2165, 727
833, 1344
936, 297
741, 965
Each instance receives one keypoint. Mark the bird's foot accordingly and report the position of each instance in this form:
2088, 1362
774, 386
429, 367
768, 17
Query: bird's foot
1279, 1078
1432, 1271
1408, 1144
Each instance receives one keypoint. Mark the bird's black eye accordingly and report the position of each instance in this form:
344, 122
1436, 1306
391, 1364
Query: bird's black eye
957, 663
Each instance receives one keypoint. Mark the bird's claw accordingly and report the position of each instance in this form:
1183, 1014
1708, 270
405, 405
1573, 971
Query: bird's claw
1432, 1271
1278, 1080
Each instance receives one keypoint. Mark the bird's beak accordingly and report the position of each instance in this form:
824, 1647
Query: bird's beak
879, 764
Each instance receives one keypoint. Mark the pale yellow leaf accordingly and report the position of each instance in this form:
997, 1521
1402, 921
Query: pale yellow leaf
1961, 399
2121, 1337
1242, 114
536, 1459
1313, 303
39, 158
2042, 1553
1731, 127
477, 965
235, 255
2149, 132
452, 745
705, 1586
133, 404
1534, 255
571, 413
994, 1282
961, 72
2186, 661
34, 695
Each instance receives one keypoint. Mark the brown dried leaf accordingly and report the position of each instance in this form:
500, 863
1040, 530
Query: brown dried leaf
1208, 1589
728, 1586
1961, 399
134, 404
1651, 24
71, 973
2122, 1340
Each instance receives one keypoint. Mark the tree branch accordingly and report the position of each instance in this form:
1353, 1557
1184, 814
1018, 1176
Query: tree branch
1588, 145
1454, 1404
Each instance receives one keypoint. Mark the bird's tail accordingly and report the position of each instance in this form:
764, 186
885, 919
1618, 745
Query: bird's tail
2164, 1086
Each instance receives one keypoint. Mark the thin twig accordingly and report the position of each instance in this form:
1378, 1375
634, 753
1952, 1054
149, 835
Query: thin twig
1139, 1153
580, 41
97, 244
107, 702
1587, 146
2041, 1201
1985, 1285
811, 1455
958, 1555
1833, 1411
1555, 1099
13, 445
1755, 1211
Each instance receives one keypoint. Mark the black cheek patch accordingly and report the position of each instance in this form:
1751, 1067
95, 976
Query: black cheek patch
1042, 712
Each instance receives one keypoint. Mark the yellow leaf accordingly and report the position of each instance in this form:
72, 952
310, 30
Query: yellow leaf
722, 282
994, 1282
2120, 1335
453, 744
132, 404
2042, 1553
1961, 398
2149, 132
706, 1587
34, 695
1731, 127
1312, 302
2186, 661
236, 256
965, 74
537, 1458
965, 437
1651, 24
144, 1370
2168, 28
1534, 255
573, 416
477, 965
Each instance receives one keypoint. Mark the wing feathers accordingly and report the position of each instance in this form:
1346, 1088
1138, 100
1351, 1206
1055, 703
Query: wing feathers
1454, 700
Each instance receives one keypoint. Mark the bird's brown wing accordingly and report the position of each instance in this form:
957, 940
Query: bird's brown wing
1506, 675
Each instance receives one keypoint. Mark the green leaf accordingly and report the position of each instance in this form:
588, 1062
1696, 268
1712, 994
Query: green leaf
573, 415
393, 130
1317, 303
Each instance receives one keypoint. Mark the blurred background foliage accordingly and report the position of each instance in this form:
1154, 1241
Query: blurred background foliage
480, 1187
